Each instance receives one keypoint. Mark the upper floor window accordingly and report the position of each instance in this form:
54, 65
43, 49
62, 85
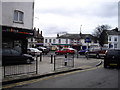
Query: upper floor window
66, 41
49, 40
45, 40
115, 39
53, 40
109, 38
59, 41
18, 16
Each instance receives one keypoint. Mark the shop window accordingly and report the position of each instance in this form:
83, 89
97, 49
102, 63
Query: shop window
18, 16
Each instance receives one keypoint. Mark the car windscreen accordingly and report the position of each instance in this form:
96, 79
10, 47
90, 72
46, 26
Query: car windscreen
114, 52
6, 52
14, 52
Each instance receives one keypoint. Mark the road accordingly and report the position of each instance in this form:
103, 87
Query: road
92, 78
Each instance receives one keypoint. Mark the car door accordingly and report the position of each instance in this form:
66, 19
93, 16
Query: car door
16, 56
6, 56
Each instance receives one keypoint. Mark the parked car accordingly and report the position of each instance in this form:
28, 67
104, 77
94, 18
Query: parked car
98, 53
65, 51
11, 56
82, 52
33, 51
43, 49
112, 58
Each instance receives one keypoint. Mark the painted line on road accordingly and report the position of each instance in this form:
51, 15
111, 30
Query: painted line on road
46, 78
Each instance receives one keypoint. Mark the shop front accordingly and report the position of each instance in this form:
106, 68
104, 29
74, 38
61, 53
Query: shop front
13, 37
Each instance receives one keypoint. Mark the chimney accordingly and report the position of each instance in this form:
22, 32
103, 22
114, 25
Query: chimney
41, 33
57, 35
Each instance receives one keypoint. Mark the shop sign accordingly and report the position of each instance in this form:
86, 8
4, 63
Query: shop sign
17, 31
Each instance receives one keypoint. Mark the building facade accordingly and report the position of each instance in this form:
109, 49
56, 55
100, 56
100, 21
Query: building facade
17, 24
71, 40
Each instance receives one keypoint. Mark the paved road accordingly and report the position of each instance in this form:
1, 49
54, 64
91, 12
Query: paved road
93, 78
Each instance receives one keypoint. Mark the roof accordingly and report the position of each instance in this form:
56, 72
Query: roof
111, 32
76, 36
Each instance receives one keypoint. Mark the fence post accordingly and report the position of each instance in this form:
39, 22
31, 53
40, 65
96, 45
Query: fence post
51, 58
40, 57
54, 62
36, 64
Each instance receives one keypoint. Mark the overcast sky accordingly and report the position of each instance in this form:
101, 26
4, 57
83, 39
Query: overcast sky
54, 16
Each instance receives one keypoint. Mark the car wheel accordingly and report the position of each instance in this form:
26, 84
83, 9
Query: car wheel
97, 56
28, 61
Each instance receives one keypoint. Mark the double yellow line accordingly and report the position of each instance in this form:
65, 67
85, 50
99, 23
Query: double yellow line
46, 78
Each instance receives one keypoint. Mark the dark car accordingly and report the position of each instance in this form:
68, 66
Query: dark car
11, 56
112, 58
82, 52
43, 49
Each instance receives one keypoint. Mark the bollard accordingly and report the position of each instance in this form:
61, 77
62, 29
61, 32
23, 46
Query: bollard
40, 57
54, 62
65, 60
77, 53
51, 58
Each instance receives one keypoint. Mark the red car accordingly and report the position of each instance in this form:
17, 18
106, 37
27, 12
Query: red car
65, 51
98, 53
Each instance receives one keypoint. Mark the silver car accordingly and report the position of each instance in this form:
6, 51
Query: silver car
34, 51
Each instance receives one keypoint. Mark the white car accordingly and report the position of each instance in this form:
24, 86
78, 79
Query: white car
33, 51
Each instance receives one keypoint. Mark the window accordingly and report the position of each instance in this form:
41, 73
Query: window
53, 40
49, 40
59, 41
66, 41
109, 38
18, 16
115, 45
115, 39
45, 40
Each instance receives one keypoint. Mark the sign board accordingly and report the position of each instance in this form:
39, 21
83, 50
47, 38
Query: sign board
88, 40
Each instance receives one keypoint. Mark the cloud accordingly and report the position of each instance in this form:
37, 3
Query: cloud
67, 15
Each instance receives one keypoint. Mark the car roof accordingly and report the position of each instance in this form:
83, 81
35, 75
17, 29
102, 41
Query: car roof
34, 49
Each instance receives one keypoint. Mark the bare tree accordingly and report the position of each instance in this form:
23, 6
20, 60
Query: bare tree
98, 31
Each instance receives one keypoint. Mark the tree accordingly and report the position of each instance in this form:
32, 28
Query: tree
98, 33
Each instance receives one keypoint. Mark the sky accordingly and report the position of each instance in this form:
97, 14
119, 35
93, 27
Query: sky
71, 16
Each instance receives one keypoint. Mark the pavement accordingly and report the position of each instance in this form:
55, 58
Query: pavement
46, 69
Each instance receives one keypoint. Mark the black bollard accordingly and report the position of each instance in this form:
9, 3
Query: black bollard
40, 57
51, 58
65, 60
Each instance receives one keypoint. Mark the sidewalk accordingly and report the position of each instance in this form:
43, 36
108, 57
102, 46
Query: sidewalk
47, 69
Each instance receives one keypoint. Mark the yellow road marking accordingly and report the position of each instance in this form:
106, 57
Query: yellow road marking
46, 78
